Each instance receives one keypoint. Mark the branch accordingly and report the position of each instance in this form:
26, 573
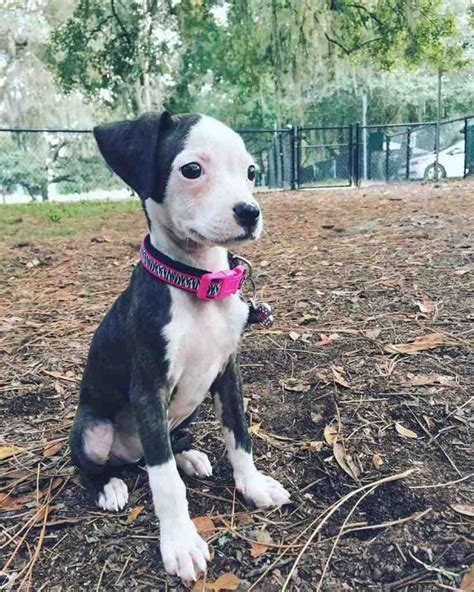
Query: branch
354, 48
331, 40
58, 150
371, 14
61, 178
121, 25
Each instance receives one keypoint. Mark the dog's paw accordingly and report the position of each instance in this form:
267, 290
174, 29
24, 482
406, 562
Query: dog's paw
114, 497
194, 463
261, 490
183, 551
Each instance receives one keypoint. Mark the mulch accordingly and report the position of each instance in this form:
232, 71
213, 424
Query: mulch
358, 398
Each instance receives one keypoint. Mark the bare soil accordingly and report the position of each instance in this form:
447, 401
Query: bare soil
336, 399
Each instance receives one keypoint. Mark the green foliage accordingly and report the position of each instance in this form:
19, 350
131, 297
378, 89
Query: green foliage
266, 62
18, 169
107, 48
82, 174
34, 164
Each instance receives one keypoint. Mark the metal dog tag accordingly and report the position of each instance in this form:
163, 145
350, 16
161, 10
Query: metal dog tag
260, 314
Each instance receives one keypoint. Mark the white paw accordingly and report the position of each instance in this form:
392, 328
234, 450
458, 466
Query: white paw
114, 497
183, 551
194, 463
261, 490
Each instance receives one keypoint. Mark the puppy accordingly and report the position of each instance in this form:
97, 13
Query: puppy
172, 335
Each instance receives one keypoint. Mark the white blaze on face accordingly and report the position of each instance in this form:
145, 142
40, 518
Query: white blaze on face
202, 208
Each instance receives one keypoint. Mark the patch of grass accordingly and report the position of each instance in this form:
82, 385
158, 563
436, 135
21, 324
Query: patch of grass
28, 221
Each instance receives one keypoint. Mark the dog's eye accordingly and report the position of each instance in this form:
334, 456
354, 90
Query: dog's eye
251, 173
192, 170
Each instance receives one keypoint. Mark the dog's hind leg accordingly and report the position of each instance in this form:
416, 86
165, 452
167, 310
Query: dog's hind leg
91, 440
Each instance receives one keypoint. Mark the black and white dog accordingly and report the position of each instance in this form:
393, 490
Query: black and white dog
172, 335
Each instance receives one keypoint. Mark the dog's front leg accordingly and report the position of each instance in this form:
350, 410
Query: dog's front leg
261, 490
183, 551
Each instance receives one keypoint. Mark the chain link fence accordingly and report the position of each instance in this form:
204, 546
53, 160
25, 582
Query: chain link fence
273, 151
65, 164
54, 164
324, 156
407, 152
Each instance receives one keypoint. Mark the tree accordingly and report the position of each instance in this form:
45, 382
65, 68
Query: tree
29, 96
119, 53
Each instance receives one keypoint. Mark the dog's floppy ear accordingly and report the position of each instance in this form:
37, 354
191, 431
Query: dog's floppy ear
130, 149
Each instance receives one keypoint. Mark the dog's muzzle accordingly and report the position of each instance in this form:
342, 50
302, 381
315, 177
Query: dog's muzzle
246, 214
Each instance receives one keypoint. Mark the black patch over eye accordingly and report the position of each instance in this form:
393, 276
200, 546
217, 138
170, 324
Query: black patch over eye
251, 173
191, 170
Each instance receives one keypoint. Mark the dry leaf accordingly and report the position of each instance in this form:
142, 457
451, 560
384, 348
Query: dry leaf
7, 451
429, 422
430, 341
294, 336
464, 509
327, 339
316, 417
257, 549
205, 526
295, 385
467, 584
253, 429
345, 461
331, 434
244, 519
429, 379
338, 377
464, 270
133, 514
377, 460
260, 544
33, 263
314, 446
8, 502
426, 306
372, 333
52, 448
227, 581
405, 432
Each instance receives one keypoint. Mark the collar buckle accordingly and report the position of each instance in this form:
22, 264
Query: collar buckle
219, 284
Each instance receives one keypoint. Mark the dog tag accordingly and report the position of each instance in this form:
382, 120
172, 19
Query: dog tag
260, 314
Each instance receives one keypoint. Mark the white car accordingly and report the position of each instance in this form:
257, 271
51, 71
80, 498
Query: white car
450, 163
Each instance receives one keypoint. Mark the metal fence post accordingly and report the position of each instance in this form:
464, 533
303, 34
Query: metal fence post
387, 157
297, 156
357, 174
466, 148
407, 163
351, 154
282, 160
293, 156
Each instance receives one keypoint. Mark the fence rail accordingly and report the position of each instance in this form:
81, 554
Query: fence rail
64, 163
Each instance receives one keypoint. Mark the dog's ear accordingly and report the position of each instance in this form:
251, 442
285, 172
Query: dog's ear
130, 149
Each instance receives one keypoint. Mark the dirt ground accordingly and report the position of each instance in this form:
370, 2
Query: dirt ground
358, 398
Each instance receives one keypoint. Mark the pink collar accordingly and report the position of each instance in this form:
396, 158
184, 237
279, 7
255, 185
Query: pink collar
206, 285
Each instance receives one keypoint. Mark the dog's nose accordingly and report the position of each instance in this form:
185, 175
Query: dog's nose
246, 214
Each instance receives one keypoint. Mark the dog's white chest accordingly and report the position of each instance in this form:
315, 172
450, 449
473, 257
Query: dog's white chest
201, 336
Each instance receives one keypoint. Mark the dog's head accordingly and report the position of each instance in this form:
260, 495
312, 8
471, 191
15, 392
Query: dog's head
192, 172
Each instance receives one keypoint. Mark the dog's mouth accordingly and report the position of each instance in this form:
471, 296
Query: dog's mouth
248, 235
